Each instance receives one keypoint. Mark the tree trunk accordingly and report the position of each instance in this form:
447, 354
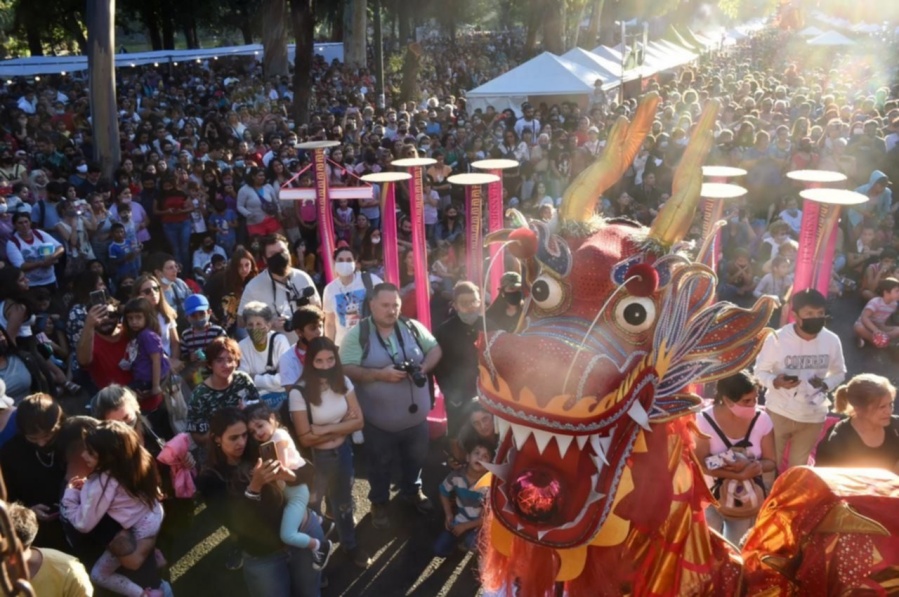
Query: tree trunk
101, 66
355, 32
591, 38
33, 34
274, 38
168, 33
150, 19
246, 31
534, 18
302, 18
74, 29
409, 91
554, 27
404, 28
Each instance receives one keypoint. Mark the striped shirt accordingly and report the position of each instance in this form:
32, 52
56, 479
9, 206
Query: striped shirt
469, 501
193, 339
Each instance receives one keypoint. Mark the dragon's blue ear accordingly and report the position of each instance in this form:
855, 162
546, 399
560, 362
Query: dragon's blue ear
552, 252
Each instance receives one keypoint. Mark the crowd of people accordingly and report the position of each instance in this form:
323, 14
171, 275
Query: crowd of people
182, 304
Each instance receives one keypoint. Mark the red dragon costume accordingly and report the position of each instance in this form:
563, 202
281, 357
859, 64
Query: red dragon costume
595, 490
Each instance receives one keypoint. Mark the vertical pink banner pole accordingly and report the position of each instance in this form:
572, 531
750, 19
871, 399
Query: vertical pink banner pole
325, 215
419, 247
494, 223
388, 233
828, 216
474, 266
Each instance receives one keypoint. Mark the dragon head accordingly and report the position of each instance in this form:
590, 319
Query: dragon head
617, 322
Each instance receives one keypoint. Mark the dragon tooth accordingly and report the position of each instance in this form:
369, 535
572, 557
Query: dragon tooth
638, 414
541, 534
597, 462
502, 427
582, 441
499, 470
598, 448
520, 433
605, 443
542, 438
563, 441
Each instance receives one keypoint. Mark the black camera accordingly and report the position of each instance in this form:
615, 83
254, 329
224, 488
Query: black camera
300, 298
418, 378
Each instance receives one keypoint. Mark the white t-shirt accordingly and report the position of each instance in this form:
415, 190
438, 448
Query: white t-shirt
253, 362
346, 302
333, 407
763, 426
20, 251
288, 455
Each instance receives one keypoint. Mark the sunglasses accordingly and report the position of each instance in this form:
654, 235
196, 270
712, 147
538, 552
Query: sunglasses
150, 290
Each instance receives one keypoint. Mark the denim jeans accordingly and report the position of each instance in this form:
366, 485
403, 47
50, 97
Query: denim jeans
178, 235
287, 572
409, 445
447, 541
334, 478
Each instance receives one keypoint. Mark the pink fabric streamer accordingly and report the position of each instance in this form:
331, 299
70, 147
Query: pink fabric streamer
495, 222
325, 215
808, 240
388, 233
419, 248
828, 220
173, 454
474, 237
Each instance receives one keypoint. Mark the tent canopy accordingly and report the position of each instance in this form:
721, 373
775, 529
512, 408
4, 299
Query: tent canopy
608, 71
811, 31
831, 38
45, 65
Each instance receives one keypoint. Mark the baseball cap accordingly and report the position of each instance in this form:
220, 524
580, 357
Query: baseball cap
510, 279
194, 303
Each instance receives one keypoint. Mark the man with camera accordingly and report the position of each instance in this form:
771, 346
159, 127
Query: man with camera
388, 358
280, 285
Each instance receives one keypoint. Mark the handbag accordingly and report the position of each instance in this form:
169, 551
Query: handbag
269, 207
737, 498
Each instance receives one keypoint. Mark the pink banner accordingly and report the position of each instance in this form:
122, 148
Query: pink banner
388, 233
808, 241
495, 222
712, 212
325, 215
474, 237
419, 247
828, 218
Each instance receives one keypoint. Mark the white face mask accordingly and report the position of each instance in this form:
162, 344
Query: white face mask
376, 240
82, 168
345, 268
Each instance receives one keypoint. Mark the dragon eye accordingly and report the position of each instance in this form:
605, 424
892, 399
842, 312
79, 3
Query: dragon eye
636, 314
547, 292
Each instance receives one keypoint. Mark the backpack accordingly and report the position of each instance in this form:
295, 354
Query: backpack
737, 498
37, 234
284, 413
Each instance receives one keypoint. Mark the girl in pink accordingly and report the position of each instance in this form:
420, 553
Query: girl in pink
124, 484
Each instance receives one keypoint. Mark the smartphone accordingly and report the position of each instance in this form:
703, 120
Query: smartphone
791, 378
267, 451
98, 298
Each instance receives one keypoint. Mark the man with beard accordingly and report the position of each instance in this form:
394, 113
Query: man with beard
457, 371
279, 285
308, 321
505, 311
102, 347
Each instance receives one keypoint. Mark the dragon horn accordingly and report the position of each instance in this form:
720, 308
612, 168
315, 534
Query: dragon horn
675, 217
625, 140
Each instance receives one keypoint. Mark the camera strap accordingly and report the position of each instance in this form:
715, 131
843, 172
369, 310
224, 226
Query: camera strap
399, 338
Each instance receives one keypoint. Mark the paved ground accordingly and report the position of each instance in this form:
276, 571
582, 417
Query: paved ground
403, 565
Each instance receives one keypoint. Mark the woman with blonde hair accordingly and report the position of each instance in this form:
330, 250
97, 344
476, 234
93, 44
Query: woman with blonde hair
869, 437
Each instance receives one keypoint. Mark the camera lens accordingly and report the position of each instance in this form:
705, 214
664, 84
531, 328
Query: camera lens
413, 408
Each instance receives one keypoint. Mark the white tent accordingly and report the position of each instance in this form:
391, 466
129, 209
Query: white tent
41, 65
811, 31
543, 75
831, 38
610, 54
608, 71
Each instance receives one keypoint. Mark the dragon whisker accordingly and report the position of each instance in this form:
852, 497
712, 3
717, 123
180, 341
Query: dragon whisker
592, 325
491, 262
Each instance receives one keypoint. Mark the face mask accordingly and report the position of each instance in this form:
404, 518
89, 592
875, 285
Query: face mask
277, 264
743, 412
376, 240
82, 168
258, 335
199, 323
793, 212
168, 281
812, 325
324, 373
468, 318
513, 298
125, 201
345, 268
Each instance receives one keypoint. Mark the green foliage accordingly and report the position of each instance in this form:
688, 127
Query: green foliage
746, 9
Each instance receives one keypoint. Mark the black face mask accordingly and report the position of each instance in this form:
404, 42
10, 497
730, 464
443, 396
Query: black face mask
278, 264
513, 298
812, 325
324, 373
